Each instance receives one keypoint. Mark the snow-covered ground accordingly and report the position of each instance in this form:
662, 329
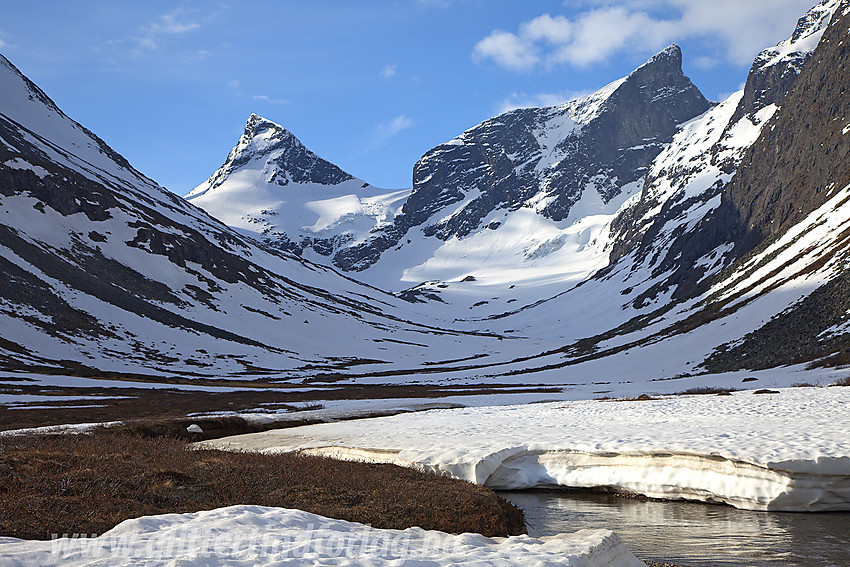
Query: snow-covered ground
254, 535
778, 451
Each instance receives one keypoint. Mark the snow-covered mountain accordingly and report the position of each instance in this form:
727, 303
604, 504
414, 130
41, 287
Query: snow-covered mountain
588, 244
550, 175
105, 271
665, 227
274, 188
560, 163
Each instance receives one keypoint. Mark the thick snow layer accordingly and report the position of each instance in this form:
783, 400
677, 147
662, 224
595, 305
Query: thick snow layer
256, 206
782, 451
255, 536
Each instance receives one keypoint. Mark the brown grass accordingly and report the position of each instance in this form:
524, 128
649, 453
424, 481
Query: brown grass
213, 427
705, 391
90, 483
641, 398
113, 404
843, 381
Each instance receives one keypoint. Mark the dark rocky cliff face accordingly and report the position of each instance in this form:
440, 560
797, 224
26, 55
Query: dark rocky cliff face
550, 155
798, 163
773, 74
804, 154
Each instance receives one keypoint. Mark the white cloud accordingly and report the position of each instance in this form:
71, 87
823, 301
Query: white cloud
170, 24
507, 50
525, 100
388, 71
610, 27
744, 28
3, 44
396, 125
387, 130
264, 98
554, 30
154, 33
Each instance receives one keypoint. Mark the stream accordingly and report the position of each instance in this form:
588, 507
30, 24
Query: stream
693, 534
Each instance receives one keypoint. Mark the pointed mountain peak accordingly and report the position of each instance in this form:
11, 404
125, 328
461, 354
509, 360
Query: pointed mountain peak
670, 55
658, 90
277, 156
663, 67
257, 124
261, 135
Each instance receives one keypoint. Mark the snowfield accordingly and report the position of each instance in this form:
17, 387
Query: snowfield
255, 536
787, 450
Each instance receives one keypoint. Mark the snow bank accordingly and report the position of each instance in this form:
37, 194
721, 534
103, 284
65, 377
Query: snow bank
782, 451
254, 536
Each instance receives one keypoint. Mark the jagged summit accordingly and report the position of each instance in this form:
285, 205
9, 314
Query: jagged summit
282, 158
660, 72
272, 186
593, 149
268, 135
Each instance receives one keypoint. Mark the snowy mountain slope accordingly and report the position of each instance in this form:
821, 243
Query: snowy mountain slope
105, 271
698, 277
658, 218
274, 188
667, 228
519, 197
666, 305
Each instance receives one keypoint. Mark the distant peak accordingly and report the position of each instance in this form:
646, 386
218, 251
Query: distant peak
283, 157
258, 125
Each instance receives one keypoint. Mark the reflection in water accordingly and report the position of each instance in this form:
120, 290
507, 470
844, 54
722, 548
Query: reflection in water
693, 534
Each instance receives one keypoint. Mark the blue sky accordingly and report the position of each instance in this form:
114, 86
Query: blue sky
367, 84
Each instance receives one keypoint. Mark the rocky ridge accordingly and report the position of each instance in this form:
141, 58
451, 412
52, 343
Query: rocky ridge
676, 224
543, 158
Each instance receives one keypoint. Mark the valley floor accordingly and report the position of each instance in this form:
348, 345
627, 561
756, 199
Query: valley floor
760, 449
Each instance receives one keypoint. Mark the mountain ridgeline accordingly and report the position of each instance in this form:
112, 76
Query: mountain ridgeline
544, 158
640, 227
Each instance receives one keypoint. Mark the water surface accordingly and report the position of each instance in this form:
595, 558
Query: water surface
693, 534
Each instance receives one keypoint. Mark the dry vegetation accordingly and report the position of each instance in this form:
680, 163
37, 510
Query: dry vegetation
706, 391
118, 403
89, 483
